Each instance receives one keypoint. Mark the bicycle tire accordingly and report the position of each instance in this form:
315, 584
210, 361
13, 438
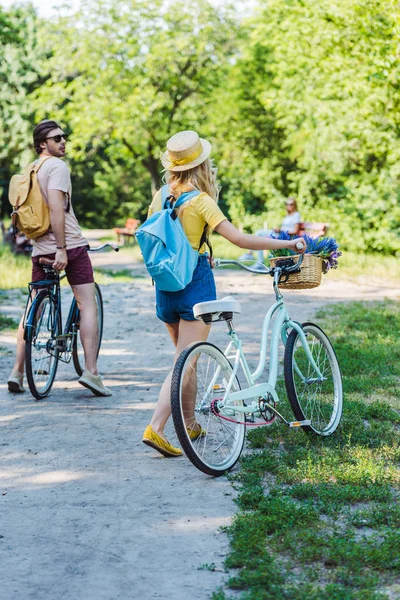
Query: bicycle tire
217, 450
77, 348
321, 402
40, 333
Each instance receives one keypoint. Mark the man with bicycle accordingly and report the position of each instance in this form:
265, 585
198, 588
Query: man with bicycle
65, 244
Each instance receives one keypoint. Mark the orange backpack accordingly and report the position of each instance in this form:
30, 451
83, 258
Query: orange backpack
30, 213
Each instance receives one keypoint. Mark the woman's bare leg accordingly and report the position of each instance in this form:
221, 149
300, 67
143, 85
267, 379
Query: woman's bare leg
182, 334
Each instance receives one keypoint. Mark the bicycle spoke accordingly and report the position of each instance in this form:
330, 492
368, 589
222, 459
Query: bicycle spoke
41, 356
314, 397
197, 375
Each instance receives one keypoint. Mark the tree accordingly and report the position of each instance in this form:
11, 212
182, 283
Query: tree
128, 75
317, 112
20, 75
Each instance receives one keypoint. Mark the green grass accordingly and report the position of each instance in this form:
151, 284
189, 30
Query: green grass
15, 270
319, 518
7, 323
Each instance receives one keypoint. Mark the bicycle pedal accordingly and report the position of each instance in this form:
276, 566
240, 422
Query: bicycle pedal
300, 423
41, 372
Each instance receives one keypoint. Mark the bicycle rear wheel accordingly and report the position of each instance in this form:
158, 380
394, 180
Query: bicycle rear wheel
78, 356
41, 354
200, 377
313, 398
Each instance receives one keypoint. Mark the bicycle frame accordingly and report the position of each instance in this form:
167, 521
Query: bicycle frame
234, 352
66, 339
63, 342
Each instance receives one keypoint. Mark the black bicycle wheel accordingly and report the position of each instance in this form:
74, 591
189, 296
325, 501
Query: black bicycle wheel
78, 356
318, 399
41, 354
200, 378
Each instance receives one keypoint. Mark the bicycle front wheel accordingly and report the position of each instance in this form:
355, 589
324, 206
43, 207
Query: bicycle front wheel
78, 356
41, 353
211, 437
317, 397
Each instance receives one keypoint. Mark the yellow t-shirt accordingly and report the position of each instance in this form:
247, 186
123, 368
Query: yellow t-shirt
194, 215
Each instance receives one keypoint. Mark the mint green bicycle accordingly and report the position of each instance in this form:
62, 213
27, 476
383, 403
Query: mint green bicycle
209, 408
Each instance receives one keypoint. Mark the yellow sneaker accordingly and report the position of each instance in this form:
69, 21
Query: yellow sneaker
151, 438
196, 433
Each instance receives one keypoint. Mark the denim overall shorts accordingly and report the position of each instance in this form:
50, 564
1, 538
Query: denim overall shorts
173, 306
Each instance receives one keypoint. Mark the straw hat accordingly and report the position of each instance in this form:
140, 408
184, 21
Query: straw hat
185, 150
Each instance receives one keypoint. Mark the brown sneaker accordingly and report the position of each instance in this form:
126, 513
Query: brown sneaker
94, 383
15, 382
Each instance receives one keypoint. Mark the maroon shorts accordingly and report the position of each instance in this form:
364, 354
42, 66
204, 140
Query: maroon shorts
79, 269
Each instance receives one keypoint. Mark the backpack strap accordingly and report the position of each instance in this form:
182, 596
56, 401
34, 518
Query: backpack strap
38, 163
36, 167
164, 195
185, 197
181, 200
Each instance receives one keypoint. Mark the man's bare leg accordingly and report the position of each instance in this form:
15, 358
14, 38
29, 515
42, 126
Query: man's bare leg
15, 380
85, 297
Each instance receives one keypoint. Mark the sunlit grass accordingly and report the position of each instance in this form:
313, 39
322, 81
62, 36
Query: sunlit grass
318, 517
7, 323
15, 269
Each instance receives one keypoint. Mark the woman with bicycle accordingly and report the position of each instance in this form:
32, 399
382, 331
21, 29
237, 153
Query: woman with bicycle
189, 167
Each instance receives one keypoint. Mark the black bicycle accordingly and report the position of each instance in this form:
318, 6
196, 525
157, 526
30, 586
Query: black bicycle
46, 343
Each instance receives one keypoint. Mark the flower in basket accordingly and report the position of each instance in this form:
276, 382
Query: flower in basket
326, 248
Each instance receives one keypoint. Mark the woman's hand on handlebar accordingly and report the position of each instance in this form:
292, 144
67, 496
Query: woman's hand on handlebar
298, 245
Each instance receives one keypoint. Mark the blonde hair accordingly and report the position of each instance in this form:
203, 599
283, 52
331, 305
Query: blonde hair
202, 178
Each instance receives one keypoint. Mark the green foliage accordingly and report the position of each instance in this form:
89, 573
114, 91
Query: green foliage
316, 105
15, 270
318, 517
136, 73
20, 75
301, 98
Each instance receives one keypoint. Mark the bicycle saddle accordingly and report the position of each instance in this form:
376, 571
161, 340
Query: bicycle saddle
217, 310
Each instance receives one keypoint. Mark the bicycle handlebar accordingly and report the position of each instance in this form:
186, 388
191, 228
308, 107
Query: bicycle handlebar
219, 262
50, 261
107, 245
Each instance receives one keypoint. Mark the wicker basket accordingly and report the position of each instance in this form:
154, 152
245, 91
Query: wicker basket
309, 276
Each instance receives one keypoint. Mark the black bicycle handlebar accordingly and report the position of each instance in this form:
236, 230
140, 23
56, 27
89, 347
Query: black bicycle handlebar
103, 246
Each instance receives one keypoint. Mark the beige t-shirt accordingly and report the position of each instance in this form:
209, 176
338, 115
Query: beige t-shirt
55, 175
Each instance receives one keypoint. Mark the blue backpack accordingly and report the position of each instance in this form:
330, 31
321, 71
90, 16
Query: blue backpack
169, 258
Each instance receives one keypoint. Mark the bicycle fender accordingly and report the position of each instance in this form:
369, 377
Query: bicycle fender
28, 327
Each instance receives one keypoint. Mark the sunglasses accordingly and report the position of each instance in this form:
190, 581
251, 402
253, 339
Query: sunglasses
58, 138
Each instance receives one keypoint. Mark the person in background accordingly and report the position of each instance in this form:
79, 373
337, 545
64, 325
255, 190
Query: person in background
290, 224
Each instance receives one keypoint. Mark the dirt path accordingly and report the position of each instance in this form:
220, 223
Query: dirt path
87, 511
